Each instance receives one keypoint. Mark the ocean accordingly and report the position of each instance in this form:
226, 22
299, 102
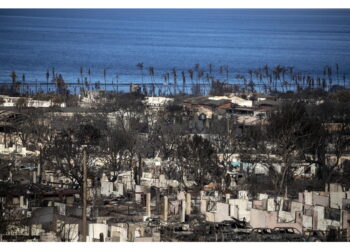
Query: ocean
114, 40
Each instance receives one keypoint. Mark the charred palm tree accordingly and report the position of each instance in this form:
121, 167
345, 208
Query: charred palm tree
81, 74
277, 75
24, 82
175, 79
221, 70
104, 76
251, 86
256, 74
196, 67
227, 71
168, 77
210, 68
151, 73
200, 74
53, 75
97, 85
329, 73
207, 78
89, 73
13, 76
337, 71
167, 82
47, 80
117, 81
86, 83
183, 81
266, 70
190, 72
250, 72
290, 69
61, 85
164, 78
139, 66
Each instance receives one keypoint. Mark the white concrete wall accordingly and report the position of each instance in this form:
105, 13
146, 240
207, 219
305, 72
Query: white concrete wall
121, 231
221, 213
234, 211
324, 224
241, 203
106, 188
320, 212
37, 229
239, 209
242, 194
336, 199
296, 206
348, 195
61, 208
308, 198
262, 196
138, 189
23, 202
12, 101
271, 206
285, 217
307, 222
210, 216
95, 229
71, 232
244, 215
181, 195
120, 188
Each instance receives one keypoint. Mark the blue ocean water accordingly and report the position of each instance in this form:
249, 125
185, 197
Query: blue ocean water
32, 41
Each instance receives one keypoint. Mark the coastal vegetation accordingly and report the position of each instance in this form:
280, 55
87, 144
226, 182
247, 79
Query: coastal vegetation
198, 80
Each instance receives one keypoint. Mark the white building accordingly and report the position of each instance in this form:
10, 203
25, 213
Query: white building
234, 99
29, 102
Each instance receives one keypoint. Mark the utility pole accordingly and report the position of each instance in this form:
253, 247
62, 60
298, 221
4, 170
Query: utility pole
84, 197
165, 211
228, 124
